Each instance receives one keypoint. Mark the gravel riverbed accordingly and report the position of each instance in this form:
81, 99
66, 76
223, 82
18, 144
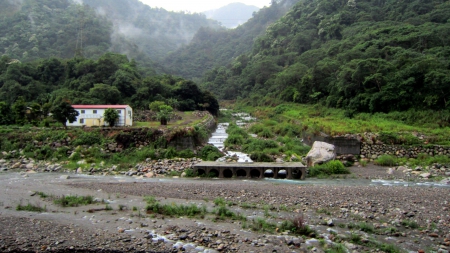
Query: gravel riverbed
408, 218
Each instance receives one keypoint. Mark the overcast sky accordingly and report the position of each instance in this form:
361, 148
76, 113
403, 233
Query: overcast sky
200, 5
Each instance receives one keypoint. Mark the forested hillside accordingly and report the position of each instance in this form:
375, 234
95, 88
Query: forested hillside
212, 47
112, 79
34, 29
31, 30
364, 55
154, 31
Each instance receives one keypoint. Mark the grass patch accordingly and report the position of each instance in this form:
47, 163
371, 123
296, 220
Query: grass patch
327, 169
410, 224
261, 225
70, 201
30, 208
297, 226
223, 213
154, 207
366, 227
386, 160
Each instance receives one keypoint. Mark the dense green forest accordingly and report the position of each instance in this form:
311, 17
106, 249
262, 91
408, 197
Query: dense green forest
364, 56
35, 29
217, 47
112, 79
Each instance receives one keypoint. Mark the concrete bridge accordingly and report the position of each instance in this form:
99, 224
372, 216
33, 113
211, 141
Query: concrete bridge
251, 170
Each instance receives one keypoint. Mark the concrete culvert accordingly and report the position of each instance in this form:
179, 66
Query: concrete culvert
201, 172
296, 174
268, 173
241, 173
255, 173
214, 173
227, 173
282, 174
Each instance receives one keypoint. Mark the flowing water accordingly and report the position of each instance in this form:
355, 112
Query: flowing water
220, 135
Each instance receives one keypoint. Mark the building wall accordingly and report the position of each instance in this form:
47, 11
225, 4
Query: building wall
87, 117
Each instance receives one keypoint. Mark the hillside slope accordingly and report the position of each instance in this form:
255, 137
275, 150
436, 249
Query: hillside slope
34, 29
211, 47
360, 55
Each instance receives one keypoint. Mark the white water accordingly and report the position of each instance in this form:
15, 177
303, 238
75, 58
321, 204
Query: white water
220, 135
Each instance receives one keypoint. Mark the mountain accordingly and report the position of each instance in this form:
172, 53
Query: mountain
364, 56
155, 31
217, 47
232, 15
34, 29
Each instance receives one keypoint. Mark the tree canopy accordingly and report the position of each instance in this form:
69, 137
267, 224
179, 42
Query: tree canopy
364, 56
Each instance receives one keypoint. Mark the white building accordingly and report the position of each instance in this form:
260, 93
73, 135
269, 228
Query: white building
93, 115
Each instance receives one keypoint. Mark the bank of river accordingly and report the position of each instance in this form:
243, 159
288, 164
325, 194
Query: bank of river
327, 206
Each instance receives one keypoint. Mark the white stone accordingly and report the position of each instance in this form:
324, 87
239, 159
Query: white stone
425, 175
320, 152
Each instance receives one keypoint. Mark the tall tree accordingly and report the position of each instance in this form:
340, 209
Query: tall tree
111, 116
63, 112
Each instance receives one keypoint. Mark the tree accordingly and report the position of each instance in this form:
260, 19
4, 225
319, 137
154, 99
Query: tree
111, 116
154, 106
164, 114
19, 109
63, 112
6, 116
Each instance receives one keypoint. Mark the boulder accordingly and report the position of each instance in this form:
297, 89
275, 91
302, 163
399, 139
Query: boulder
425, 175
319, 153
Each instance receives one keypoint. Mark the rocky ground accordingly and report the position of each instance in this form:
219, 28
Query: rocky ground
356, 214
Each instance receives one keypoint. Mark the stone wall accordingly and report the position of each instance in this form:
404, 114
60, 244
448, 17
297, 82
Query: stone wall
373, 151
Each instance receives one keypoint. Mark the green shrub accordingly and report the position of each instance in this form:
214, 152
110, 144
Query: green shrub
74, 200
190, 173
88, 138
256, 128
329, 168
258, 145
261, 225
266, 133
281, 108
171, 152
30, 208
234, 140
235, 130
210, 153
260, 157
386, 160
44, 153
187, 153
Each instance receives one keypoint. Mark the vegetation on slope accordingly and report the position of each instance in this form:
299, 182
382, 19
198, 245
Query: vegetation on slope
217, 47
112, 79
35, 29
363, 56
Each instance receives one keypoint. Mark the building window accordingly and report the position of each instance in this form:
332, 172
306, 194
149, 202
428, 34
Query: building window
94, 111
83, 112
119, 111
81, 121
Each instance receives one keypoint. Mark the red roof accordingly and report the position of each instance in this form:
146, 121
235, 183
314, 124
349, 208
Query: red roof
99, 106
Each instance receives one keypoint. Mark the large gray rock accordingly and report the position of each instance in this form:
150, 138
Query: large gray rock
320, 152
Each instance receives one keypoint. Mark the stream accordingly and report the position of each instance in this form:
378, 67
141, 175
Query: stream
220, 135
